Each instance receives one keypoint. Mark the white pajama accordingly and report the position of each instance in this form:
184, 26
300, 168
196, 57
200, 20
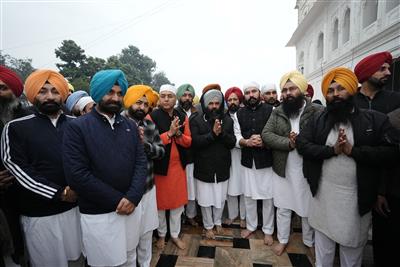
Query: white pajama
283, 221
191, 209
325, 252
267, 214
236, 205
174, 222
53, 240
144, 249
212, 216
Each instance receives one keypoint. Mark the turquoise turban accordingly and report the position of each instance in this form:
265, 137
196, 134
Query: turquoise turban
104, 80
183, 88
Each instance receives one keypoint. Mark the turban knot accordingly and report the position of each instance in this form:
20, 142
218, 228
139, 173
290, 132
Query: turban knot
343, 76
38, 78
295, 77
103, 81
371, 64
12, 80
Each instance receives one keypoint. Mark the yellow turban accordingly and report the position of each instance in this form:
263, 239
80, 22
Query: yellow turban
135, 92
342, 76
196, 100
38, 78
152, 97
295, 77
71, 87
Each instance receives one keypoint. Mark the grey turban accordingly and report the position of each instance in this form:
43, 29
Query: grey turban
211, 95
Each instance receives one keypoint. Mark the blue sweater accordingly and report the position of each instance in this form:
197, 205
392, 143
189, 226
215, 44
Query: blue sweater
103, 164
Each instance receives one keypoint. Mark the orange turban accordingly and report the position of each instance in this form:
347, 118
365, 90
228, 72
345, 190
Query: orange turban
135, 92
209, 87
38, 78
342, 76
152, 97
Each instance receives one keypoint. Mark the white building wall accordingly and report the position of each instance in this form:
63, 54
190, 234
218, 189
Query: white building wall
382, 35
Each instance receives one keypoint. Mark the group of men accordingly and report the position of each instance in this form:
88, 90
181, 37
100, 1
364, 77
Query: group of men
97, 184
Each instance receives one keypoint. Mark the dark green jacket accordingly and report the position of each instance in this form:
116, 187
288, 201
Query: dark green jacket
276, 134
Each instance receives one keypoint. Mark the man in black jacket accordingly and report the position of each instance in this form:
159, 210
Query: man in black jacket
31, 151
373, 73
344, 149
257, 162
212, 139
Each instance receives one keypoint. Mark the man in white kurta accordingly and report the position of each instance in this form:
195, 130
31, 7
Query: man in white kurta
291, 190
235, 199
257, 161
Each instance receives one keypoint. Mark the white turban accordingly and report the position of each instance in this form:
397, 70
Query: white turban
81, 104
168, 87
249, 85
268, 87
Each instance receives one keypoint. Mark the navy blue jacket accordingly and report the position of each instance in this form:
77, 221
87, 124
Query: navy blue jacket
32, 152
103, 164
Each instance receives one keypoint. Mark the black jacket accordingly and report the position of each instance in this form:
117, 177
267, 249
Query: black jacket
212, 155
252, 121
373, 148
384, 101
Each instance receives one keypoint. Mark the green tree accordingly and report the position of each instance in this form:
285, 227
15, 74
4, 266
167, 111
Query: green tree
159, 79
93, 65
73, 56
23, 67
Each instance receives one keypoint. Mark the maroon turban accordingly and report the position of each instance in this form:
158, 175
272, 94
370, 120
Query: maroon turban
10, 78
310, 91
235, 90
371, 64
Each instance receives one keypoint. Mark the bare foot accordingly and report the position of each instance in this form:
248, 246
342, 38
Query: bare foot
278, 249
228, 221
192, 222
268, 240
245, 233
160, 243
209, 234
219, 229
179, 243
242, 223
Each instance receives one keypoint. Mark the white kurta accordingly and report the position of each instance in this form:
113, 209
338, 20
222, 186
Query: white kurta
108, 237
235, 184
334, 209
293, 191
53, 240
191, 185
257, 184
211, 194
149, 212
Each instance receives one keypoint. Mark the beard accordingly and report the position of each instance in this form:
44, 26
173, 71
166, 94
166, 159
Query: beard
271, 101
138, 114
212, 115
291, 105
340, 109
252, 102
186, 105
378, 84
7, 106
233, 108
110, 107
48, 107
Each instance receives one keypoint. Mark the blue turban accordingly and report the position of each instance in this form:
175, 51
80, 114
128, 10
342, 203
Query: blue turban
73, 99
104, 80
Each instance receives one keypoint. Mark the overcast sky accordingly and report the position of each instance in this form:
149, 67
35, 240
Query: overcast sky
229, 42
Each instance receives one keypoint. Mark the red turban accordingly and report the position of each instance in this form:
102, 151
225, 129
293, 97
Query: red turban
235, 90
12, 80
371, 64
209, 87
310, 91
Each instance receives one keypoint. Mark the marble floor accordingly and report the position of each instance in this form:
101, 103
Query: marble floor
229, 249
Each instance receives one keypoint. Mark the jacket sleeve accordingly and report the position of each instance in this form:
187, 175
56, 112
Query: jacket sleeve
200, 140
308, 148
227, 135
387, 150
15, 159
78, 172
271, 139
154, 148
138, 182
